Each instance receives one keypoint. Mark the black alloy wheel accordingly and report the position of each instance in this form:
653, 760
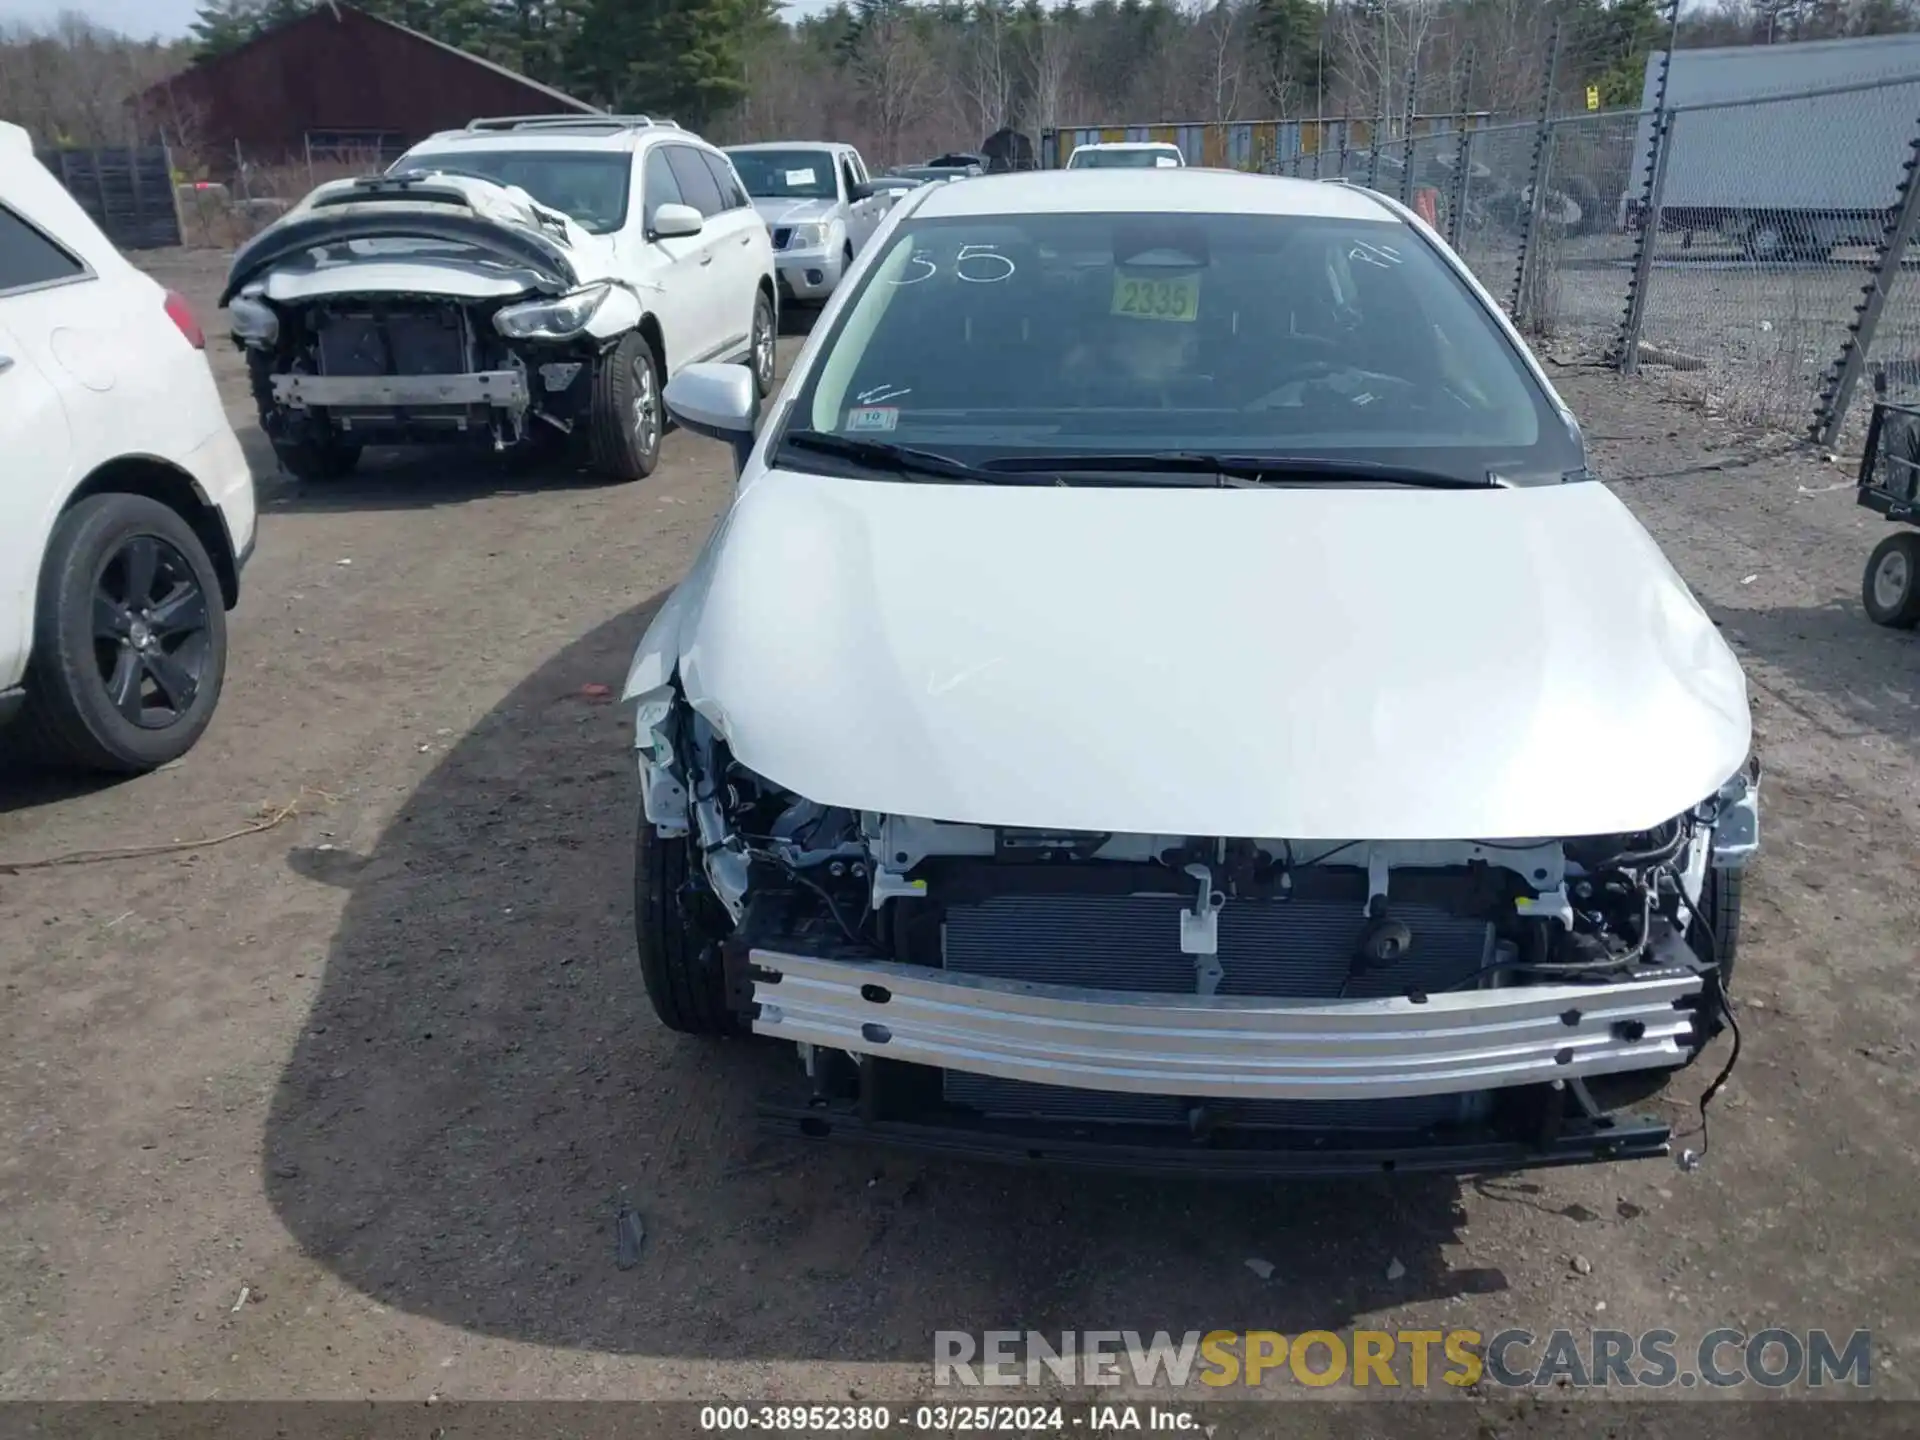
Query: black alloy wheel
151, 632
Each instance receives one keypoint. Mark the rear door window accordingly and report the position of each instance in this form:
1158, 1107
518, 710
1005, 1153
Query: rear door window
690, 172
732, 197
29, 259
661, 187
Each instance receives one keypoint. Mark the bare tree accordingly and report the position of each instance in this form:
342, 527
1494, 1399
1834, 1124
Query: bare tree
1378, 44
894, 71
1222, 44
1050, 56
70, 83
986, 71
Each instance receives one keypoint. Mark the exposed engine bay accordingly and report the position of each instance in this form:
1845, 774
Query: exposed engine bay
1255, 1005
424, 369
424, 308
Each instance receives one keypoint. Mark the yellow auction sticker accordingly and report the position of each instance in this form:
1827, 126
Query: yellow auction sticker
1147, 297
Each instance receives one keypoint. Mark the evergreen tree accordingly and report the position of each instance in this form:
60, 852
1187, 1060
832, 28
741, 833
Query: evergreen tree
224, 25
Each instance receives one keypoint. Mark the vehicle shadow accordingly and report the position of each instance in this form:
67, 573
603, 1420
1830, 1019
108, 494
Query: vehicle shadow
410, 479
1867, 674
797, 318
481, 1087
27, 783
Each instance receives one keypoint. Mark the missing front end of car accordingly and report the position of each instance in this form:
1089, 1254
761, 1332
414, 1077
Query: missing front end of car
1278, 1006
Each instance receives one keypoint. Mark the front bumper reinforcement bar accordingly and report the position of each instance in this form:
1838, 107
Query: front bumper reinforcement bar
506, 389
1250, 1047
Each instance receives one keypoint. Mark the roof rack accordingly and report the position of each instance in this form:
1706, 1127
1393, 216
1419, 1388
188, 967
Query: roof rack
580, 120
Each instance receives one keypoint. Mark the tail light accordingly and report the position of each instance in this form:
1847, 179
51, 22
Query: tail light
181, 314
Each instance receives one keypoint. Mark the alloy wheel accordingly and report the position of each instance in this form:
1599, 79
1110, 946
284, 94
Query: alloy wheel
646, 416
763, 346
151, 637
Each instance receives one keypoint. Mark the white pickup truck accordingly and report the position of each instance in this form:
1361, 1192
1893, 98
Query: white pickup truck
820, 204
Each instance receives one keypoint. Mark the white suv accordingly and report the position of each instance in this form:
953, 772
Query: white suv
127, 509
526, 283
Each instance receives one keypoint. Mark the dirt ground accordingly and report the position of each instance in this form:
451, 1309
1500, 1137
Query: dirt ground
386, 1067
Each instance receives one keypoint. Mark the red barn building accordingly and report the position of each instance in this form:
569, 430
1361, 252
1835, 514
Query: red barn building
337, 82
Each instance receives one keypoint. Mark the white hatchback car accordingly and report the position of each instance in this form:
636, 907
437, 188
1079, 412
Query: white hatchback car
128, 508
1169, 690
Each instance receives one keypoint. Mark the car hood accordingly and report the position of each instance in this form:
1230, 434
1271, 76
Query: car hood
1307, 663
431, 233
795, 212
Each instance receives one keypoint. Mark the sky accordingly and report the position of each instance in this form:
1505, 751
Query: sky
139, 18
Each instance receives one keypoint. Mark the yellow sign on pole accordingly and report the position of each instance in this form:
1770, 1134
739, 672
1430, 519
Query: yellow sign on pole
1593, 97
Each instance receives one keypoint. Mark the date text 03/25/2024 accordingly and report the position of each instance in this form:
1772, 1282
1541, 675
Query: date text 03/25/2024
947, 1419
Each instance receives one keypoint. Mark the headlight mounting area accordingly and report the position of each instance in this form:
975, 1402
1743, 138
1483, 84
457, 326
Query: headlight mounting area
561, 319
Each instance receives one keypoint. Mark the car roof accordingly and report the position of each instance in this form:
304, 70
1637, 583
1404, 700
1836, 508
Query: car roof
835, 145
588, 132
1128, 145
1172, 191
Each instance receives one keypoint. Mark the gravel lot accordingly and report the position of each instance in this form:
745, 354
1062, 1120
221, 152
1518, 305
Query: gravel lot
387, 1065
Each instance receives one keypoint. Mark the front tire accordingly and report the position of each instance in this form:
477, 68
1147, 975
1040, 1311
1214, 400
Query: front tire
677, 931
1890, 589
1720, 895
626, 417
301, 455
130, 638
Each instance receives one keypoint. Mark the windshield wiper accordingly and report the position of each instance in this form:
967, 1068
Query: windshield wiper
898, 459
1244, 469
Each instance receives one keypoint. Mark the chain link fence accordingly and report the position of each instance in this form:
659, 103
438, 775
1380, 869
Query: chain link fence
226, 199
1766, 223
1754, 257
1579, 257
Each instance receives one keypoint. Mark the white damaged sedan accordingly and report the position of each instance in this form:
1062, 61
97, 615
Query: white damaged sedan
1168, 692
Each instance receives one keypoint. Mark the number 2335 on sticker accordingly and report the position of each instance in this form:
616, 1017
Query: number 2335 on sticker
865, 419
1176, 297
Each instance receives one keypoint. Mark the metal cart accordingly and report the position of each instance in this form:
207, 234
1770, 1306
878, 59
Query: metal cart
1890, 483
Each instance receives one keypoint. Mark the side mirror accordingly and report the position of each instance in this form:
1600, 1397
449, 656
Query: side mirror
671, 220
716, 401
862, 192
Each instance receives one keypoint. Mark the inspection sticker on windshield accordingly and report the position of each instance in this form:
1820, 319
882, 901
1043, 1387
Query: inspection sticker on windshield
1141, 297
799, 177
865, 419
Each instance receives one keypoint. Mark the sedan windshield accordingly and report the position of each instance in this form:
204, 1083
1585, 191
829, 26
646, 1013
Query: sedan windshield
1121, 159
786, 174
989, 340
589, 188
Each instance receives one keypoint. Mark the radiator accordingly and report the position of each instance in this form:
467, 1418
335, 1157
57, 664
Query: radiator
1291, 948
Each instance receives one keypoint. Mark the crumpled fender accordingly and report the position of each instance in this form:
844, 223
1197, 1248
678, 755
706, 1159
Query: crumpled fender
620, 312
